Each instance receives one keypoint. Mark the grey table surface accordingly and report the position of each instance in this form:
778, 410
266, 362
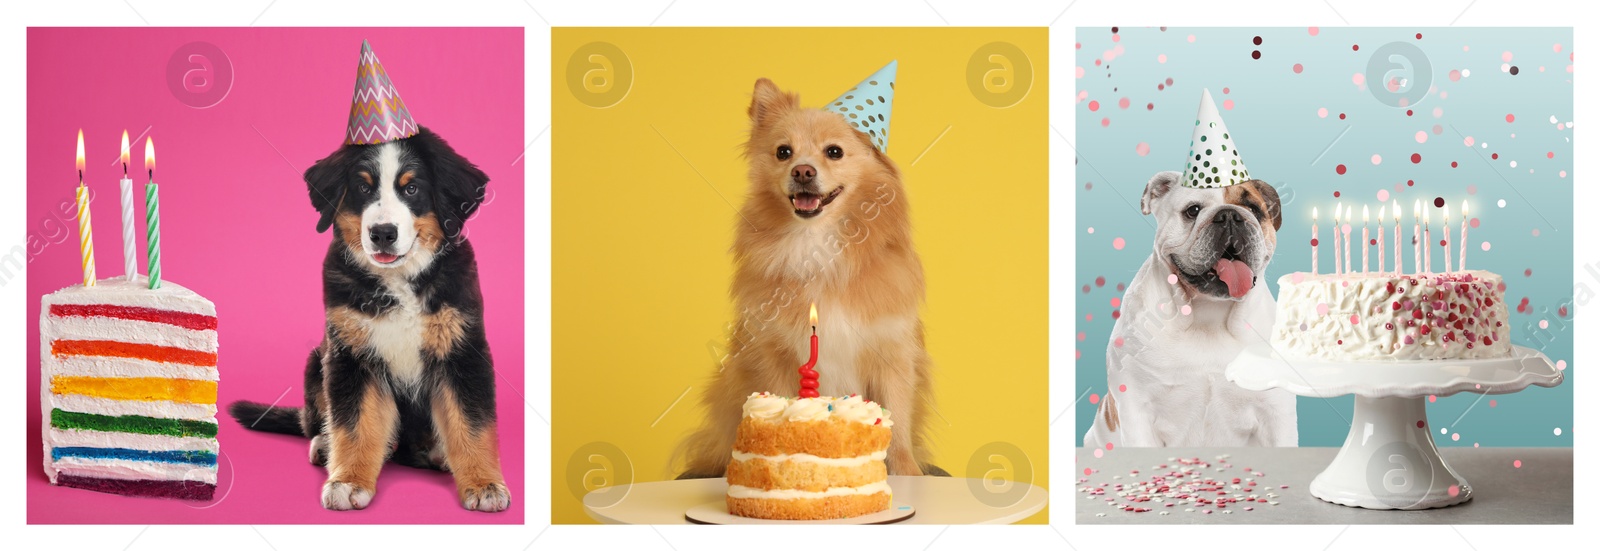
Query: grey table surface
1539, 492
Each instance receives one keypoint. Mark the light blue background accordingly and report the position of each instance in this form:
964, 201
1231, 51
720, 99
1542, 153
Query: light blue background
1282, 140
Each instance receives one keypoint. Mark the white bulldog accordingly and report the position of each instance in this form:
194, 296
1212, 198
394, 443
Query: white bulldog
1195, 304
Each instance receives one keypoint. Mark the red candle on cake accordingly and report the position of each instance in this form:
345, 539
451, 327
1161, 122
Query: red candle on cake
808, 376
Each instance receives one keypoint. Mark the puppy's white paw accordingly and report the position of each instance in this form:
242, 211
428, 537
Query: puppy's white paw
319, 454
491, 498
344, 496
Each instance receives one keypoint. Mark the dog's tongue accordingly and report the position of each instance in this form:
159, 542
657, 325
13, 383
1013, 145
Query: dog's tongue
386, 258
807, 202
1237, 275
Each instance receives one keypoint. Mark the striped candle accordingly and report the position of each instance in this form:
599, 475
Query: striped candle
85, 236
130, 253
152, 216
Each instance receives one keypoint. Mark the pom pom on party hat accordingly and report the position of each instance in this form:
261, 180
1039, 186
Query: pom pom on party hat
868, 105
377, 114
1213, 160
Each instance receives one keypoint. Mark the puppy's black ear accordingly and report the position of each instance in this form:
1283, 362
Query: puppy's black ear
1270, 202
768, 101
1159, 185
458, 185
326, 182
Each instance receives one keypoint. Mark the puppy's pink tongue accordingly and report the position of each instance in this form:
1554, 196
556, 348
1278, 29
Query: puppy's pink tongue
807, 202
1237, 275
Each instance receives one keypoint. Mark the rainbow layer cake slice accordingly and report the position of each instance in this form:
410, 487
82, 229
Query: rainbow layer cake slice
129, 389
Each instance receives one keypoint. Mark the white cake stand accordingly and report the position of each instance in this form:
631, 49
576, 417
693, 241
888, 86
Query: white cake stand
1388, 460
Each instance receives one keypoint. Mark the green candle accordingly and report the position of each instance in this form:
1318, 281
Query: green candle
152, 217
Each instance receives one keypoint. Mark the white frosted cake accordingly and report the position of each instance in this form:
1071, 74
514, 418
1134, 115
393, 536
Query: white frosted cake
809, 458
1372, 316
128, 386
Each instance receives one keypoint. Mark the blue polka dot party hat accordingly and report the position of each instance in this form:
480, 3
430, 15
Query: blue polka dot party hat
868, 105
1213, 160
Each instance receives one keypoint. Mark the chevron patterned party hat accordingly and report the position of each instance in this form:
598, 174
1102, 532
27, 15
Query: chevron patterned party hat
377, 114
868, 105
1213, 160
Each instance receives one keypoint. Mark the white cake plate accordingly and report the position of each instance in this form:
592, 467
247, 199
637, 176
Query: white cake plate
1389, 460
716, 512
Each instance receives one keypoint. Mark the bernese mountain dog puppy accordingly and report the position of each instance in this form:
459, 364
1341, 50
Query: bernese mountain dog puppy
403, 371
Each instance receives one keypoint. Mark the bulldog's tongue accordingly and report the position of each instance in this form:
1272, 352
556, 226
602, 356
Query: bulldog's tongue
1236, 274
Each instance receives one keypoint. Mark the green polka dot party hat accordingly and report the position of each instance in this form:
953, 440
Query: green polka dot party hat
868, 105
1213, 160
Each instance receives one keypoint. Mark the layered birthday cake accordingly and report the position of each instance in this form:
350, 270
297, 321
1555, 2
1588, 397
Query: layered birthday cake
129, 389
1383, 316
809, 458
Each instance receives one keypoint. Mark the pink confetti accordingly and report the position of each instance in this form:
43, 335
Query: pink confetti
1142, 149
1110, 446
1185, 310
1456, 437
1161, 58
1116, 302
1422, 137
1094, 398
1105, 122
1123, 103
1383, 195
1080, 71
1438, 112
1517, 463
1510, 117
1322, 309
1313, 32
1122, 388
1298, 68
1099, 453
1359, 79
1455, 75
1172, 279
1469, 141
1087, 471
1191, 38
1094, 105
1227, 105
1485, 245
1377, 159
1455, 490
1322, 112
1118, 243
1561, 365
1354, 319
1493, 403
1506, 57
1117, 342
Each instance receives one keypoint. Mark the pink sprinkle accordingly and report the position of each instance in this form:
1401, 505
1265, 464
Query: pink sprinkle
1142, 149
1505, 56
1313, 32
1117, 342
1455, 75
1433, 398
1172, 279
1517, 463
1561, 365
1377, 159
1493, 403
1383, 194
1108, 448
1161, 58
1359, 79
1322, 112
1118, 243
1094, 398
1322, 309
1122, 103
1455, 490
1185, 310
1080, 71
1087, 471
1094, 105
1469, 141
1354, 319
1422, 136
1510, 117
1122, 388
1227, 105
1098, 453
1485, 245
1298, 68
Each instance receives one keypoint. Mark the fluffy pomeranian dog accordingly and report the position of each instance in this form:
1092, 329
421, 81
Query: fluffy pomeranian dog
825, 222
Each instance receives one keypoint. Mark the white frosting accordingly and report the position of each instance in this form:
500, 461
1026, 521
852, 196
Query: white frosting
64, 438
770, 407
121, 292
130, 331
105, 406
808, 458
123, 469
1369, 316
746, 492
94, 366
807, 409
765, 407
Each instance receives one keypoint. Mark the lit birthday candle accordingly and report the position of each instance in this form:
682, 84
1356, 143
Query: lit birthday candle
152, 217
85, 228
1380, 237
1461, 263
130, 253
1365, 214
1427, 240
808, 376
1348, 214
1446, 241
1338, 268
1398, 268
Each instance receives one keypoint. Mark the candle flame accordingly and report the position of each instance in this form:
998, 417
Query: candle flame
1416, 209
1364, 215
1397, 211
80, 155
124, 153
1349, 213
150, 155
1447, 213
1336, 210
1381, 209
813, 314
1313, 214
1463, 209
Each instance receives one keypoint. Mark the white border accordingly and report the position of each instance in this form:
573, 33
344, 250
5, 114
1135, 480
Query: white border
1328, 13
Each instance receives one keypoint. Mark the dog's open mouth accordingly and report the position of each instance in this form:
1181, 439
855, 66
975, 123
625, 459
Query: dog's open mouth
1230, 271
807, 205
386, 258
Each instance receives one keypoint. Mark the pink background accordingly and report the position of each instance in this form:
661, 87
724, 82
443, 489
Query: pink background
237, 228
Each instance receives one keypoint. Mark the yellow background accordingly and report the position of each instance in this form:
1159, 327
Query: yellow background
641, 233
